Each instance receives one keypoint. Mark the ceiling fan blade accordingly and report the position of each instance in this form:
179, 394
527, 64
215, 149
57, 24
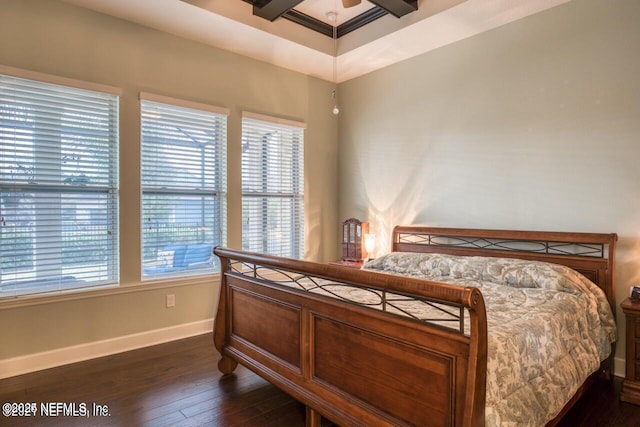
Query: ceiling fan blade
350, 3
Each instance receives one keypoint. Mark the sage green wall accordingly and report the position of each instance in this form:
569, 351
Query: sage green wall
534, 125
60, 39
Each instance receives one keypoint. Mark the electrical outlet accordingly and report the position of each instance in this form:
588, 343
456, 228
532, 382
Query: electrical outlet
171, 300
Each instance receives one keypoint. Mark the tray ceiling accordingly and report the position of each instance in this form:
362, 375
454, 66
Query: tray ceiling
330, 17
231, 25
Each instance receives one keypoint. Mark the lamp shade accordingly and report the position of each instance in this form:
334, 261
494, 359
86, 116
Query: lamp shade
369, 243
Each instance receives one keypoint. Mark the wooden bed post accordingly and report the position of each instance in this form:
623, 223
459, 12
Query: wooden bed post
226, 365
313, 418
476, 395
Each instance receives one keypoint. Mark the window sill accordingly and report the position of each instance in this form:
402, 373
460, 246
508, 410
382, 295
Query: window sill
84, 293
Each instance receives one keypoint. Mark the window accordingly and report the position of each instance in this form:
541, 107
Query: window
183, 186
58, 187
272, 186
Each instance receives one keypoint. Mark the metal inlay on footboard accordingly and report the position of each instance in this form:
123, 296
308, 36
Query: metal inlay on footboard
443, 314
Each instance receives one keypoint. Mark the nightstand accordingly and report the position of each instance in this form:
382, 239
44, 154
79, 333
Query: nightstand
348, 264
631, 384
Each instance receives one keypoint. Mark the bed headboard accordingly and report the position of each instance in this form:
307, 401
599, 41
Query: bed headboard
592, 254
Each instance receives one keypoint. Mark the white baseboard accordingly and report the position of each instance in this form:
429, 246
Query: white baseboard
77, 353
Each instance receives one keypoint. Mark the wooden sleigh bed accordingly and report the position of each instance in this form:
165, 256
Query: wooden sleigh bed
358, 365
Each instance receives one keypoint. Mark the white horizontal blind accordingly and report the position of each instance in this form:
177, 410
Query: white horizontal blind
183, 189
272, 188
58, 187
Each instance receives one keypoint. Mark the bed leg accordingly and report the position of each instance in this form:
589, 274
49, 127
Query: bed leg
313, 418
226, 365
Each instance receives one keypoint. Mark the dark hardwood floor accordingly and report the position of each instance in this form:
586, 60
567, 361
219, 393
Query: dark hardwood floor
178, 384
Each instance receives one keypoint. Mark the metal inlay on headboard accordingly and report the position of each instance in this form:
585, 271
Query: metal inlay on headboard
596, 250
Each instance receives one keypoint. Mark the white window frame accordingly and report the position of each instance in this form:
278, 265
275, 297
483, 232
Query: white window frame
49, 274
273, 175
162, 259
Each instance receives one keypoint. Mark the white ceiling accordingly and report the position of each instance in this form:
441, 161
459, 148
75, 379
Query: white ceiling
230, 25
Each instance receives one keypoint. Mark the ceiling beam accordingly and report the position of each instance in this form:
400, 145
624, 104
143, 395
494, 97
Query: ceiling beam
309, 22
343, 29
273, 9
361, 20
397, 8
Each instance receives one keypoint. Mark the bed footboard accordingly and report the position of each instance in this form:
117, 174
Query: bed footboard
354, 364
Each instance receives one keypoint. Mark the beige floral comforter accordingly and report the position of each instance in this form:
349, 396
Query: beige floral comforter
549, 328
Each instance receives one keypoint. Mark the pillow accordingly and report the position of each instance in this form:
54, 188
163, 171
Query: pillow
165, 258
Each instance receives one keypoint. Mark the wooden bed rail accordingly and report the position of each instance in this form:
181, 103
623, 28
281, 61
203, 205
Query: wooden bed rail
350, 363
467, 296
